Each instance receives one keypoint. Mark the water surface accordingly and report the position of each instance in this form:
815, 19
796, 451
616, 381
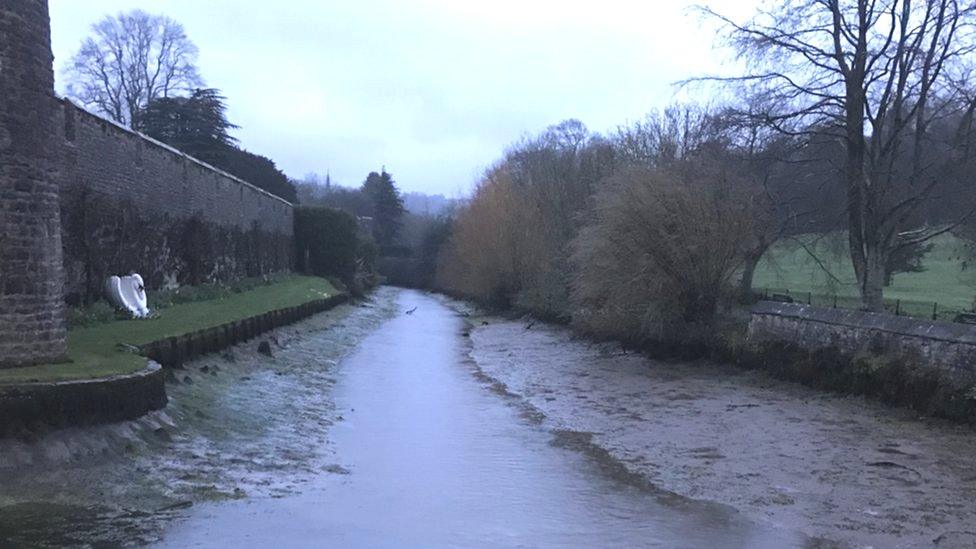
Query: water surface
429, 453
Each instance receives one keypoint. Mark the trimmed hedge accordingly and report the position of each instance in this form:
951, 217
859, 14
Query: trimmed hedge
326, 243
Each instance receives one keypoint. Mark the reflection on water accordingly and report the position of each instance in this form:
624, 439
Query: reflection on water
427, 454
238, 425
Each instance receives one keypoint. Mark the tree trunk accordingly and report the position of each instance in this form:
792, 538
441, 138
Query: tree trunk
867, 255
700, 307
872, 282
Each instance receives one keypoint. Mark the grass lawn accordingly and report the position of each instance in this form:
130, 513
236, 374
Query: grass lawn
94, 351
949, 278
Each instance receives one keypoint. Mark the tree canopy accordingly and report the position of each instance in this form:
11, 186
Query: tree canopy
387, 207
257, 170
130, 60
879, 77
196, 124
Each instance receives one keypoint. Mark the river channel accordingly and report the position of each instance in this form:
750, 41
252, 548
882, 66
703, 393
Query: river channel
378, 424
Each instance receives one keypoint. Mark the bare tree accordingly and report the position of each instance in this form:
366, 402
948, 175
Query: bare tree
757, 154
131, 59
664, 137
876, 74
784, 179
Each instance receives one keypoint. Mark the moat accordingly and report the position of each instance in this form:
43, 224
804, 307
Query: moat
409, 420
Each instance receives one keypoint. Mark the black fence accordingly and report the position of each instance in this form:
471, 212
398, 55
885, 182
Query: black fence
899, 307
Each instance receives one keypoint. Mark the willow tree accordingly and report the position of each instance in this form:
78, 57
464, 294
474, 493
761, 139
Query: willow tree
875, 74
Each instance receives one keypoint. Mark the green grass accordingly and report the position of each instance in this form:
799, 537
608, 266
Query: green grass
789, 266
97, 350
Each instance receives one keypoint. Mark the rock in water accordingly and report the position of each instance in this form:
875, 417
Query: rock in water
163, 434
264, 348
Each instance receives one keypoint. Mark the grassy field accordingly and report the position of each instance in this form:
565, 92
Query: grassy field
97, 351
949, 279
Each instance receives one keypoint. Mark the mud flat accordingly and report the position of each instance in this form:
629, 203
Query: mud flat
844, 469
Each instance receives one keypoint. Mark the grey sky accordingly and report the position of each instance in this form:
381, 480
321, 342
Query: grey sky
433, 89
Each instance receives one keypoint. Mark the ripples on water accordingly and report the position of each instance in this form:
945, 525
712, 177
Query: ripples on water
238, 424
405, 444
436, 457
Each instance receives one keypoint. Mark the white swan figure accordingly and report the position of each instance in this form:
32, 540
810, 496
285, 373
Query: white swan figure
128, 293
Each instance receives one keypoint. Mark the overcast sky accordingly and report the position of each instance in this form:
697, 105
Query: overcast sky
433, 89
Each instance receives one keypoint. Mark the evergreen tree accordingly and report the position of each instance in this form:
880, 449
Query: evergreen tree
906, 260
196, 125
387, 207
257, 170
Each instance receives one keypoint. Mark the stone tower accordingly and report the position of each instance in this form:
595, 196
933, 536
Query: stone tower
32, 319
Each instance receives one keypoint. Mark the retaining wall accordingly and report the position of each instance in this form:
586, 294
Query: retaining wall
173, 351
33, 407
947, 346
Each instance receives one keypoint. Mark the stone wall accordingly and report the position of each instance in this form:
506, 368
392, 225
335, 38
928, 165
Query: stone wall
31, 278
130, 203
947, 346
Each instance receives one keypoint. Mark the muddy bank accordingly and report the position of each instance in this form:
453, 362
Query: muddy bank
433, 456
239, 424
834, 467
391, 423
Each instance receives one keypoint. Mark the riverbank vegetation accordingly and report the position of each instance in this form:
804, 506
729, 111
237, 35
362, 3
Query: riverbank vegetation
399, 234
661, 250
656, 235
666, 220
627, 235
109, 348
854, 153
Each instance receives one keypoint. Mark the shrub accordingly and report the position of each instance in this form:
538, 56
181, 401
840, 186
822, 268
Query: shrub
92, 313
660, 252
399, 271
486, 248
509, 245
326, 243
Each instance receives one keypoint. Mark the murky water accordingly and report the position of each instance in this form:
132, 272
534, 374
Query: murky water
238, 425
406, 421
429, 454
842, 468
